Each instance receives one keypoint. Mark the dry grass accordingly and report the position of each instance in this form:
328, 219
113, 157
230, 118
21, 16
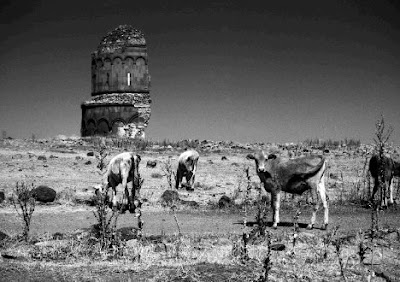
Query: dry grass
196, 257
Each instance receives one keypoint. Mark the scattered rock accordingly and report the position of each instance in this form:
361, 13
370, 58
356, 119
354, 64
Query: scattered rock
44, 194
278, 247
223, 158
2, 197
78, 158
3, 236
128, 233
58, 236
151, 164
190, 203
17, 157
54, 243
88, 163
42, 158
160, 247
224, 202
90, 154
170, 197
53, 157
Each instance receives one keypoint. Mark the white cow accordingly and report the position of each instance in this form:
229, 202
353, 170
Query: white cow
293, 176
122, 169
187, 166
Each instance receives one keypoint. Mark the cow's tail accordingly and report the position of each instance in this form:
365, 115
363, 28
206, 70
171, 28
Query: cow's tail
318, 167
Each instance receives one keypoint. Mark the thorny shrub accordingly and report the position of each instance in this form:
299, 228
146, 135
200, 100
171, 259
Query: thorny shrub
24, 203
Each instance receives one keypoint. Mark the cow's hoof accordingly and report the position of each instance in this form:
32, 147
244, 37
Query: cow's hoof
324, 226
310, 226
275, 226
189, 189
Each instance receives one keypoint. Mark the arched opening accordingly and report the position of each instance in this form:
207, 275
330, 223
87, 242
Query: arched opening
90, 128
102, 127
117, 128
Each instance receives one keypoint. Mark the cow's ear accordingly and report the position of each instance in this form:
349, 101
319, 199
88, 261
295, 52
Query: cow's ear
271, 156
250, 157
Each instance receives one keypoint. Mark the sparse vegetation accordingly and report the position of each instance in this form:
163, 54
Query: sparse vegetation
24, 203
106, 218
199, 254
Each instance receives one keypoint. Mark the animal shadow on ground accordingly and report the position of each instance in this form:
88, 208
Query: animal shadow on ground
282, 224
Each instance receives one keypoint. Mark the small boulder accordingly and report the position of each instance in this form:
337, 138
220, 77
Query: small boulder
2, 197
193, 204
42, 158
88, 162
169, 197
90, 154
127, 233
3, 236
278, 247
17, 157
151, 164
224, 202
223, 158
58, 236
44, 194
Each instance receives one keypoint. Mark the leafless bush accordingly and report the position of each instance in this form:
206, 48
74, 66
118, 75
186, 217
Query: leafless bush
382, 135
24, 203
106, 222
169, 173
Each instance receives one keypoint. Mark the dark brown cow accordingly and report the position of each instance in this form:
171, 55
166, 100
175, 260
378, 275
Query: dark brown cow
391, 169
122, 169
293, 176
187, 166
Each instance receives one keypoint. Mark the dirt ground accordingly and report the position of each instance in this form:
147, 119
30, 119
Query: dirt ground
50, 220
73, 174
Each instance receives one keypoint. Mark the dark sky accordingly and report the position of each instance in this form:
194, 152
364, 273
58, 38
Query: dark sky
268, 71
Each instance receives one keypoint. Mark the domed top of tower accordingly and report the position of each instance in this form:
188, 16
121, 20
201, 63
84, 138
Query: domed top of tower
120, 38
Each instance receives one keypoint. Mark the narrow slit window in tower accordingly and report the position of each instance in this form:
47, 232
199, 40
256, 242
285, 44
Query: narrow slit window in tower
129, 79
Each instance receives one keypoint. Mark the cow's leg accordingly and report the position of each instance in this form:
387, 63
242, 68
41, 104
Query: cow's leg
324, 200
189, 180
125, 202
193, 175
391, 184
316, 198
375, 189
275, 205
114, 197
179, 176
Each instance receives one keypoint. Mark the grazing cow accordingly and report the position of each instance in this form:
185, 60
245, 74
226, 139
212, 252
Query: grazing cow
122, 169
391, 169
187, 166
293, 176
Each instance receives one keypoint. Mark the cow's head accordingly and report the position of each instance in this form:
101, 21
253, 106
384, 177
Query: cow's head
261, 163
260, 159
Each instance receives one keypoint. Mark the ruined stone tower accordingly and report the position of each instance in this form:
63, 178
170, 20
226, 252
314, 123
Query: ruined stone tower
120, 103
